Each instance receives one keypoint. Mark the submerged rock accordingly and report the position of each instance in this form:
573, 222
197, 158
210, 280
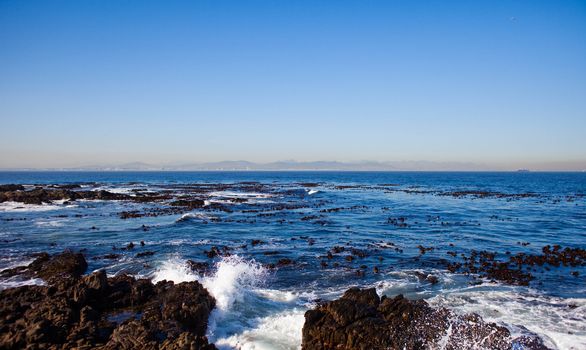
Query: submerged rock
362, 320
94, 311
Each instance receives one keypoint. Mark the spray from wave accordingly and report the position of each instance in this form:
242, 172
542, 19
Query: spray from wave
233, 277
195, 216
174, 269
246, 316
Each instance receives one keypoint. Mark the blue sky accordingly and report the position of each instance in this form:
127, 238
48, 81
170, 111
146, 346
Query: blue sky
103, 81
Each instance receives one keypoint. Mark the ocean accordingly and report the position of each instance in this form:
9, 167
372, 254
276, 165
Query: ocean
278, 243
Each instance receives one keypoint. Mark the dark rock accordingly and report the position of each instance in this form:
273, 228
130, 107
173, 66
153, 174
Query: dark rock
143, 254
11, 187
213, 252
256, 242
130, 215
108, 256
338, 249
60, 266
189, 203
78, 312
362, 320
284, 262
308, 184
423, 250
487, 265
198, 266
42, 195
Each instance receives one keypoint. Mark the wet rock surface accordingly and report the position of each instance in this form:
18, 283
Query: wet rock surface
67, 265
362, 320
41, 195
97, 312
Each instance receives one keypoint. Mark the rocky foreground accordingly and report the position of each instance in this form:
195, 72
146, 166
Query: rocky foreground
77, 311
96, 312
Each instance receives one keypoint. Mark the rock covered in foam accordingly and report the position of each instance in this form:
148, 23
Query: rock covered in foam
362, 320
94, 311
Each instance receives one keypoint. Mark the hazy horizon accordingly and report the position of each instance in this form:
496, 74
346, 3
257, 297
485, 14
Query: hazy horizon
293, 165
480, 85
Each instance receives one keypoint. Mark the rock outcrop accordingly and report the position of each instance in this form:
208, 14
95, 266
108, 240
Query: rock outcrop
40, 195
362, 320
97, 312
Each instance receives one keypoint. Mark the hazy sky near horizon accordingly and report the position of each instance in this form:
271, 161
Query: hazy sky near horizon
110, 81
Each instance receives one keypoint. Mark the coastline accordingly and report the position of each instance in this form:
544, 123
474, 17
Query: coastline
78, 310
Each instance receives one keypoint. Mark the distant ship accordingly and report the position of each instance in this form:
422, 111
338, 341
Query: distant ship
523, 170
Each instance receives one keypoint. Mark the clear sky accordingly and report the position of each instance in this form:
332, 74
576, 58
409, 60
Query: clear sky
87, 82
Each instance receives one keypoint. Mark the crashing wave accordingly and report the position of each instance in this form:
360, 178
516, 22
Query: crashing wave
191, 216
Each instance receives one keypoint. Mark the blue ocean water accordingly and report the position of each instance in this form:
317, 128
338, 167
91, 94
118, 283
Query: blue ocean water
383, 216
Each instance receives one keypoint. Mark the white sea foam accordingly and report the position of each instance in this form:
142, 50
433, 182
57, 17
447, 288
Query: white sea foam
117, 190
283, 296
241, 309
248, 316
560, 322
18, 282
278, 331
227, 197
174, 269
21, 207
51, 223
231, 194
11, 262
311, 192
184, 241
234, 276
193, 215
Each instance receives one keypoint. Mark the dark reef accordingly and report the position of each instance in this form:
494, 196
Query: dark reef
97, 312
362, 320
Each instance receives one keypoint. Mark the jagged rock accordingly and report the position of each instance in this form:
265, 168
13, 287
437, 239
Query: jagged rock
362, 320
96, 312
198, 266
59, 267
40, 195
11, 187
187, 341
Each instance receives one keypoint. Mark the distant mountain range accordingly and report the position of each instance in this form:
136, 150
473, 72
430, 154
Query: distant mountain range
242, 165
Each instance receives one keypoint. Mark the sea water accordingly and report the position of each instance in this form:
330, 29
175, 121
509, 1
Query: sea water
387, 215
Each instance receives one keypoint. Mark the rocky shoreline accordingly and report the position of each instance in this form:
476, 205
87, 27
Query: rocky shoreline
74, 311
94, 311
